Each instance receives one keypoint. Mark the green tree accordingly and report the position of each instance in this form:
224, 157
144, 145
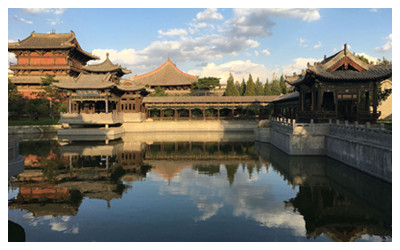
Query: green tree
16, 101
242, 87
55, 97
158, 91
250, 87
259, 87
205, 84
275, 88
231, 89
267, 88
282, 84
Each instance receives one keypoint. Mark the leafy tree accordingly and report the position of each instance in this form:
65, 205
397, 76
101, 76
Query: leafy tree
54, 96
16, 101
207, 83
267, 88
37, 105
242, 87
275, 88
158, 91
282, 84
231, 89
250, 87
259, 87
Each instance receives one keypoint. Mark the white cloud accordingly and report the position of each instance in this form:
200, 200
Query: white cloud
239, 69
369, 58
266, 52
173, 32
374, 10
318, 45
302, 42
35, 11
22, 20
298, 64
53, 22
256, 53
387, 46
257, 23
208, 14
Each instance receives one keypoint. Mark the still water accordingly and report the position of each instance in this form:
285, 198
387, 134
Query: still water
192, 187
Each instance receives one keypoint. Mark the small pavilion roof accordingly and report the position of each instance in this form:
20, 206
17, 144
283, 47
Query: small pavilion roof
166, 75
50, 40
107, 66
87, 81
331, 69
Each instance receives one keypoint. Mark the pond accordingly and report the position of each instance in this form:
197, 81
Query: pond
192, 187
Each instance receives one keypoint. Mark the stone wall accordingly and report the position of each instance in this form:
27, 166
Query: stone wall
298, 139
191, 126
34, 129
360, 146
367, 149
87, 119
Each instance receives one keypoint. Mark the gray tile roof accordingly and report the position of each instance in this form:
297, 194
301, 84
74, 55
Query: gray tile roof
107, 66
166, 75
50, 41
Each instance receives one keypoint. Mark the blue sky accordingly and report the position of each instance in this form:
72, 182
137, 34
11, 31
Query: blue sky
215, 42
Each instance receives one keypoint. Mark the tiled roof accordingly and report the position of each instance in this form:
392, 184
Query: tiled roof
327, 69
165, 75
106, 66
127, 85
50, 41
209, 99
38, 79
87, 81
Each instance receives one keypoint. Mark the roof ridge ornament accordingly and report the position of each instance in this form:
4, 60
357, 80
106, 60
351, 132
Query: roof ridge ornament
345, 49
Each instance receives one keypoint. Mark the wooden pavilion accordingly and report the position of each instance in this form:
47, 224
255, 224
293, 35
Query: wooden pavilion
48, 53
168, 77
339, 87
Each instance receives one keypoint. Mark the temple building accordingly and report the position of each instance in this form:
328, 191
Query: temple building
168, 77
107, 67
339, 87
48, 53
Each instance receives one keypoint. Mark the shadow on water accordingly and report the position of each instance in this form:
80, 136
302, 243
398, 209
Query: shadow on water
336, 200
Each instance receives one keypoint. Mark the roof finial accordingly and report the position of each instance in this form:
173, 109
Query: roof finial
107, 54
345, 48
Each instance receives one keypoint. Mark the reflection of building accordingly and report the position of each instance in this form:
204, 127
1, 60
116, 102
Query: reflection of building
339, 202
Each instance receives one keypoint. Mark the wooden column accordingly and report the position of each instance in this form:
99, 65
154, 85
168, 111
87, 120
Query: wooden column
175, 114
69, 105
301, 100
374, 98
320, 97
233, 113
190, 114
335, 100
161, 114
204, 113
367, 101
312, 99
106, 101
218, 113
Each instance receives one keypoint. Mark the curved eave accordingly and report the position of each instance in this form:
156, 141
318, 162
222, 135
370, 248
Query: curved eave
73, 85
380, 75
161, 67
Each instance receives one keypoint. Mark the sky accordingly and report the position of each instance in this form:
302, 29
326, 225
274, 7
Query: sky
263, 42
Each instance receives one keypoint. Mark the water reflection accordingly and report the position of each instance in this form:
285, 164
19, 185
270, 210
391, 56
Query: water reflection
231, 189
